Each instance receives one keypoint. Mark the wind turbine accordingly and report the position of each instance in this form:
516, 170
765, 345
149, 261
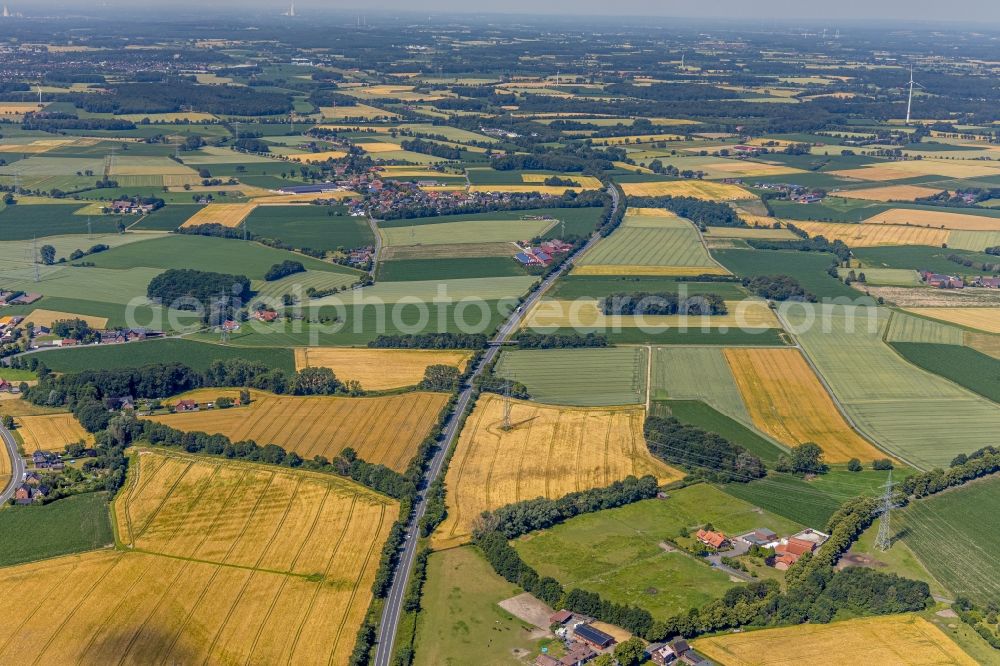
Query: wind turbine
909, 100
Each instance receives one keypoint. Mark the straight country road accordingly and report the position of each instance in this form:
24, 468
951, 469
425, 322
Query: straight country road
392, 610
16, 464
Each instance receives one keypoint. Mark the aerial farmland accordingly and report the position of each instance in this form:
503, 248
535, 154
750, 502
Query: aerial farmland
361, 338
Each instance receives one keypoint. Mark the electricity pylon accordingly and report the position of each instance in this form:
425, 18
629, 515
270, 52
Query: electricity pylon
884, 539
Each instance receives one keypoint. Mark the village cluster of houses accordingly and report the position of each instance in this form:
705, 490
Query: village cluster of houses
8, 325
795, 193
942, 281
787, 550
584, 642
542, 254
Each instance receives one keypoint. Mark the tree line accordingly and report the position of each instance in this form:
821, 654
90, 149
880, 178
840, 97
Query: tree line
701, 453
643, 303
701, 212
778, 288
528, 340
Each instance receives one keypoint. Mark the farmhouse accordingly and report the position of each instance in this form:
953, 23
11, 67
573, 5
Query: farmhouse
593, 636
791, 549
533, 256
25, 494
986, 282
713, 539
560, 617
942, 281
265, 315
186, 406
677, 651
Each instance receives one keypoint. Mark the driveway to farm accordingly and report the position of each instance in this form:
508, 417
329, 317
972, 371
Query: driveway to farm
738, 548
16, 464
401, 578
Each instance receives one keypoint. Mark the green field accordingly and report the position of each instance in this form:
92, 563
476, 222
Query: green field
956, 536
601, 286
905, 327
670, 243
357, 325
70, 525
482, 231
578, 221
207, 253
460, 621
198, 355
22, 222
431, 291
316, 227
614, 376
918, 257
908, 411
697, 374
447, 269
616, 552
298, 283
634, 335
893, 277
964, 366
701, 415
809, 268
110, 286
167, 218
809, 501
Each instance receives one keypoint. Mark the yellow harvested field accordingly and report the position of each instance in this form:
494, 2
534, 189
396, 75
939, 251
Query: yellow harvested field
378, 369
889, 193
982, 319
924, 167
699, 189
900, 640
228, 215
786, 400
361, 111
42, 317
554, 190
225, 562
303, 198
586, 313
626, 269
19, 108
4, 468
318, 157
635, 168
378, 146
872, 235
744, 168
874, 173
550, 451
586, 182
385, 430
935, 219
50, 432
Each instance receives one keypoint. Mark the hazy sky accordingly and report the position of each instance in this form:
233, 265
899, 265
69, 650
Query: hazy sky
966, 11
972, 10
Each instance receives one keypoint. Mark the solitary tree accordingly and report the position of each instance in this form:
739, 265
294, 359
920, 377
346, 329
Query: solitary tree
48, 255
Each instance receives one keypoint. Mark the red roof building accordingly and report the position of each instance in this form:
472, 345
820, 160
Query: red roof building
713, 539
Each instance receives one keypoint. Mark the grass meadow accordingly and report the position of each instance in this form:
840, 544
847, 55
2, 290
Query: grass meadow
610, 376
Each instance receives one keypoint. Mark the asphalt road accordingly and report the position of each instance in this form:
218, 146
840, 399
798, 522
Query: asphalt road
16, 464
394, 601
